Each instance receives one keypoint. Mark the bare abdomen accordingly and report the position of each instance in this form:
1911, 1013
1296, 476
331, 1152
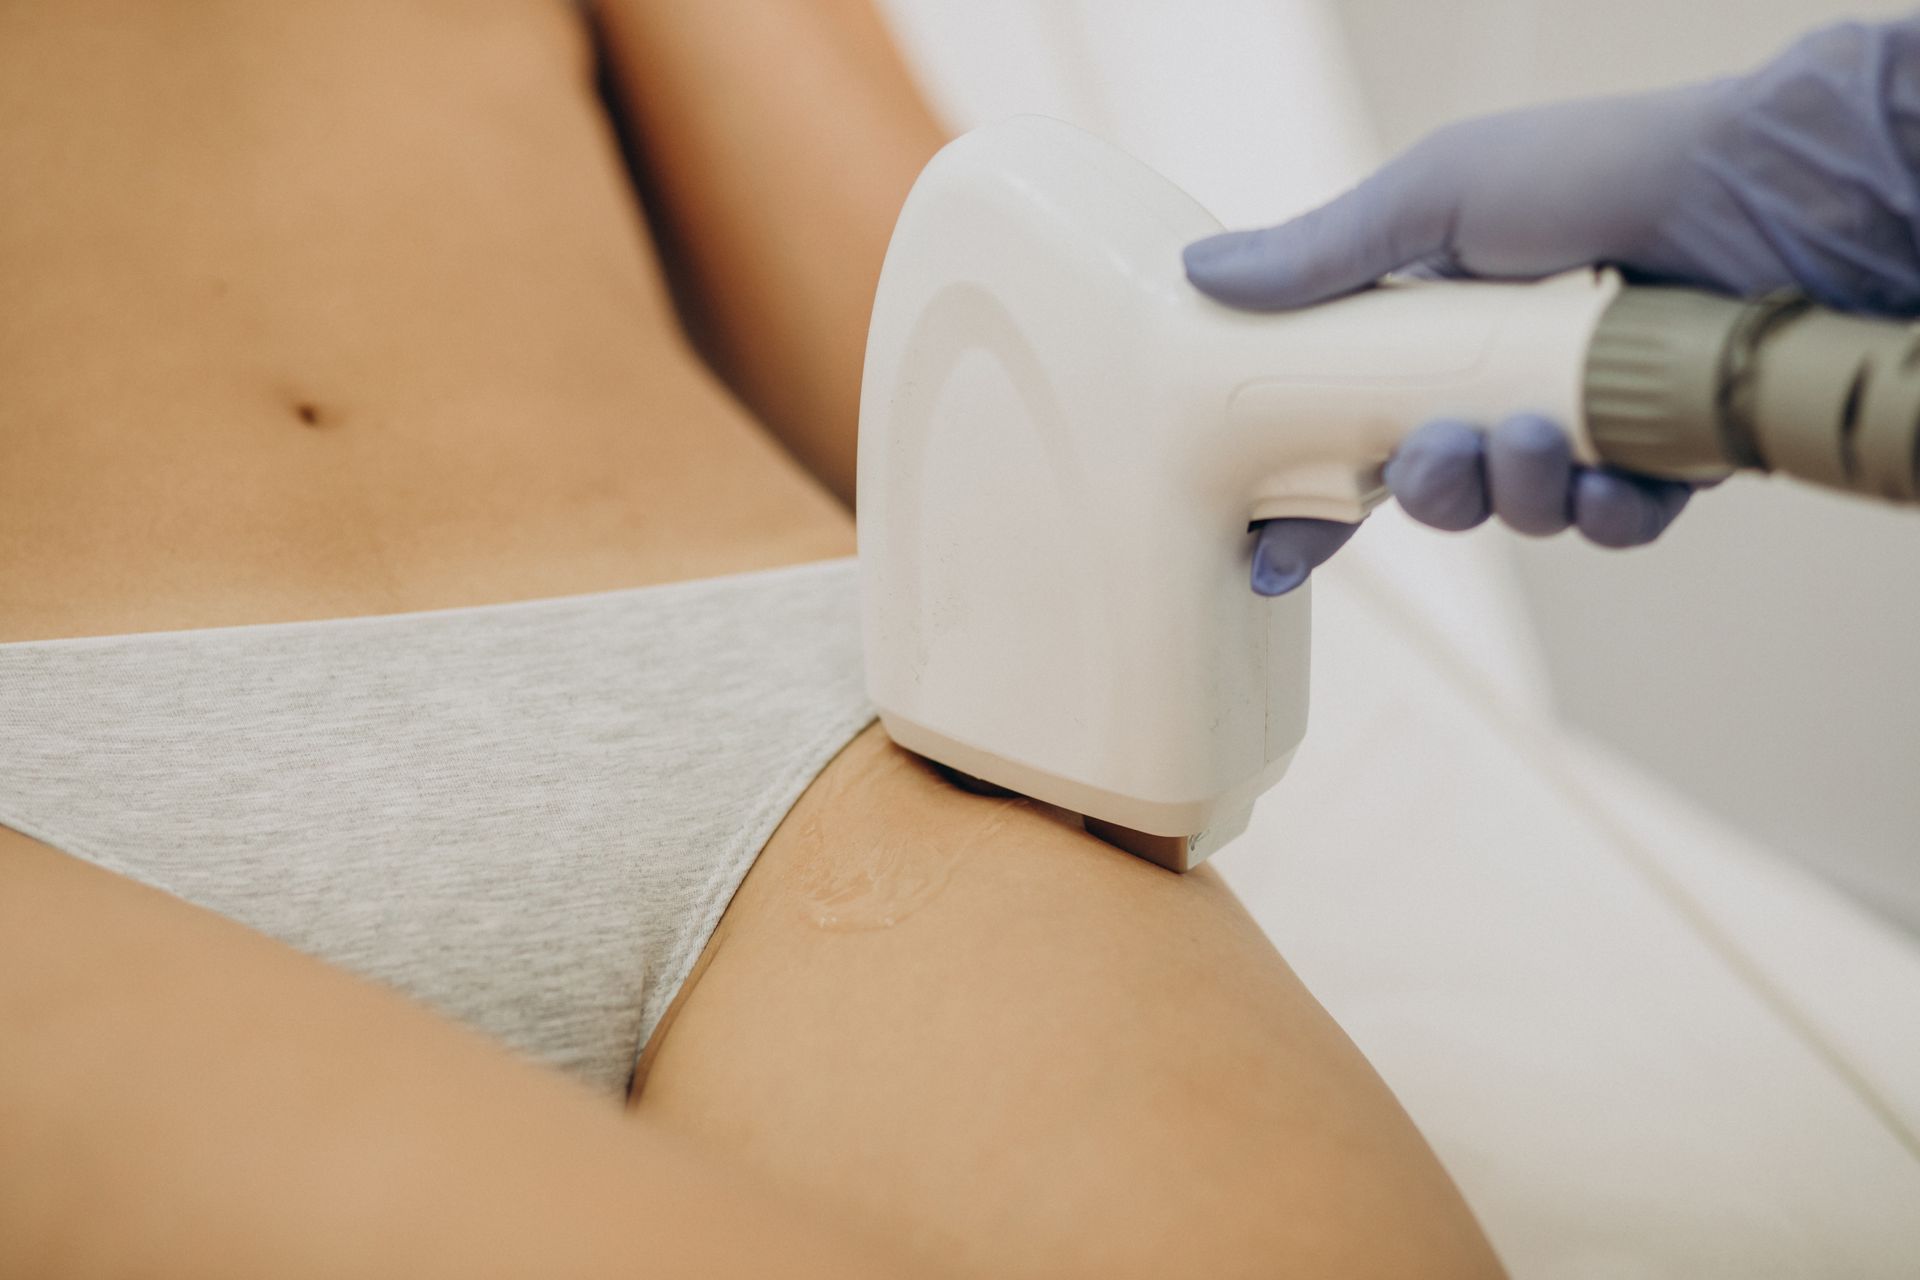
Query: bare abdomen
341, 307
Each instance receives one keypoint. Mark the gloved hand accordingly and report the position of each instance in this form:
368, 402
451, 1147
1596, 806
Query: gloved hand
1803, 174
1451, 475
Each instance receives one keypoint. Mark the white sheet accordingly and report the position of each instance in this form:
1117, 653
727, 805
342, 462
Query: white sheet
1618, 1088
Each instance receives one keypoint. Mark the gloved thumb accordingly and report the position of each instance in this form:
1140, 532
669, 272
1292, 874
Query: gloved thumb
1396, 218
1289, 550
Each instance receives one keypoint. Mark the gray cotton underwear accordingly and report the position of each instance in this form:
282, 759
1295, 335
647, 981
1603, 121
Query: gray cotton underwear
528, 816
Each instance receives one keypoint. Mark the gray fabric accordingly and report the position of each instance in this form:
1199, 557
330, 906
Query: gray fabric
528, 816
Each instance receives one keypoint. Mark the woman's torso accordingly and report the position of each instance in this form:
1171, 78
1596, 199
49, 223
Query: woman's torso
342, 307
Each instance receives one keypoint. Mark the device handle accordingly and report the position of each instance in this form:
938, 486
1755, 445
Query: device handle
1322, 397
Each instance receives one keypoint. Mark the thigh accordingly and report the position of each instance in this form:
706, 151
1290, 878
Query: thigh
973, 1024
180, 1097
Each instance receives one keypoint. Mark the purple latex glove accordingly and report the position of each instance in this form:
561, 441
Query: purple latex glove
1802, 174
1451, 475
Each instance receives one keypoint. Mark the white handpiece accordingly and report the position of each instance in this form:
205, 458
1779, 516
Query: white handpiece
1062, 444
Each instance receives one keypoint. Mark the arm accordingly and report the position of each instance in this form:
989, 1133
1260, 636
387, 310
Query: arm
779, 140
181, 1097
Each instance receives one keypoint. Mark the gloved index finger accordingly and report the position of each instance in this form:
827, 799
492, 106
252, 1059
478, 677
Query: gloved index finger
1400, 216
1289, 550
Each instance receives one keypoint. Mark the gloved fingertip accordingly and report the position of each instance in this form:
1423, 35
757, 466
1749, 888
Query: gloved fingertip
1674, 496
1288, 551
1530, 475
1668, 499
1205, 255
1532, 433
1276, 578
1438, 475
1242, 269
1618, 511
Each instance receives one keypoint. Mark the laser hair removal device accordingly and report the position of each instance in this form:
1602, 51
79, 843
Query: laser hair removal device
1063, 443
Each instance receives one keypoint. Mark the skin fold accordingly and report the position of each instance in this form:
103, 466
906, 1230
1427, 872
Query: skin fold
331, 307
